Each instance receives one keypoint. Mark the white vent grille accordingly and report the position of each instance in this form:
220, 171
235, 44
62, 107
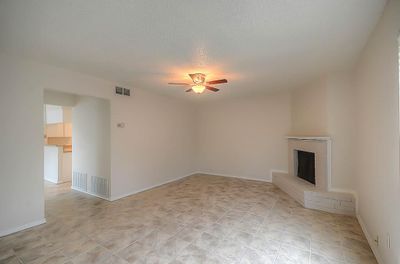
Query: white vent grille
79, 181
99, 186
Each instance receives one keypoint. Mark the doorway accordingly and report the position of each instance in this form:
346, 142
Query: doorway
57, 143
76, 144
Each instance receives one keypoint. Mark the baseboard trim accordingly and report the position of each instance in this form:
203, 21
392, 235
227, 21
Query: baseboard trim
353, 192
114, 198
234, 176
370, 240
276, 171
51, 180
23, 227
89, 193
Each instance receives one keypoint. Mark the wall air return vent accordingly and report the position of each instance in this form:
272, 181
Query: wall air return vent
79, 181
122, 91
99, 186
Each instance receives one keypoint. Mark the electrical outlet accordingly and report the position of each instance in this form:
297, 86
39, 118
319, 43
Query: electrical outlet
377, 240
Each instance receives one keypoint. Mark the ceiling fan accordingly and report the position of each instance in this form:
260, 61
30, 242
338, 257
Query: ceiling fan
199, 83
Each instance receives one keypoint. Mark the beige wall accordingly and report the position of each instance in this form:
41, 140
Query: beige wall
244, 137
309, 110
377, 137
151, 120
156, 145
59, 98
21, 158
340, 126
91, 137
326, 108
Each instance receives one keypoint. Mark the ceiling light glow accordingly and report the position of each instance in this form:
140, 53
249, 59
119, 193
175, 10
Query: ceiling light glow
198, 88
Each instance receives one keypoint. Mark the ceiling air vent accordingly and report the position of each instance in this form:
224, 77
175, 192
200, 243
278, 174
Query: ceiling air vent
122, 91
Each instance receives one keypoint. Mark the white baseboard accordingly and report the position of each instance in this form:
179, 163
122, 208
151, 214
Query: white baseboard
370, 239
277, 171
117, 197
20, 228
51, 180
353, 192
234, 176
92, 194
343, 190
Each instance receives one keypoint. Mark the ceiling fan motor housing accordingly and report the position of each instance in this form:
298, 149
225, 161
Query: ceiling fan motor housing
198, 78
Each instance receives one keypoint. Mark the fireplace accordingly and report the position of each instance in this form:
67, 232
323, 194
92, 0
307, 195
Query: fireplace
306, 166
308, 179
309, 161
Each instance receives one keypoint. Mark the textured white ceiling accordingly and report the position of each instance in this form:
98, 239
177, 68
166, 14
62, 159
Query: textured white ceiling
258, 45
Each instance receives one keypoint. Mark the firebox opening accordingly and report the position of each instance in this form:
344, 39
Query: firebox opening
306, 166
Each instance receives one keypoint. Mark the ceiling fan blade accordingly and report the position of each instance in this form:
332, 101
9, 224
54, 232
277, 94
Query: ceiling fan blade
189, 90
174, 83
212, 89
218, 81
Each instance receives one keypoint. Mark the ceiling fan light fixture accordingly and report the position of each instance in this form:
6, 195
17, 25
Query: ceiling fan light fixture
199, 83
198, 88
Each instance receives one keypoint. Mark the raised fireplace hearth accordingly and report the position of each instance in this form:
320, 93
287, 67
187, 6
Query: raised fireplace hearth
308, 180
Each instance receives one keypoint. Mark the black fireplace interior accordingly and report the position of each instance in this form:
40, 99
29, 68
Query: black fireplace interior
306, 166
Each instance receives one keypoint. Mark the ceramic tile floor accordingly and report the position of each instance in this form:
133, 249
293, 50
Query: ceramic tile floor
200, 219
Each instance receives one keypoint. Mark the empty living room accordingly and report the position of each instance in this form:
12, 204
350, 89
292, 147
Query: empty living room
214, 131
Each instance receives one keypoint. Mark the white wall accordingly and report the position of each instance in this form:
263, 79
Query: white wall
378, 134
91, 137
57, 164
51, 163
326, 108
151, 121
244, 137
59, 98
156, 145
309, 109
54, 114
21, 161
341, 128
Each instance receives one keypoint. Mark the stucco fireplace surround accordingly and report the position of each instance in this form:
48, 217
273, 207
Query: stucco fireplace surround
318, 196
